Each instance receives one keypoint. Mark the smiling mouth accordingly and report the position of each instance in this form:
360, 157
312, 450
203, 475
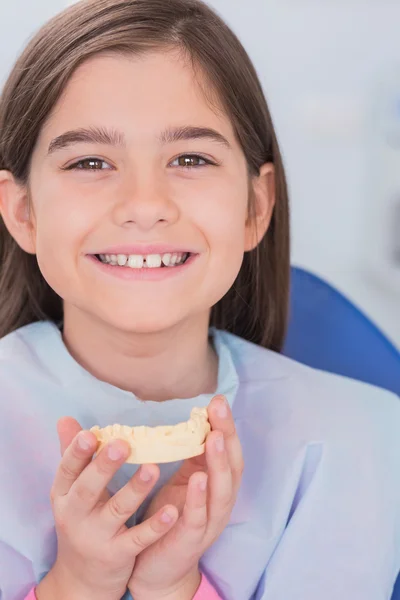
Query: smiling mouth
149, 261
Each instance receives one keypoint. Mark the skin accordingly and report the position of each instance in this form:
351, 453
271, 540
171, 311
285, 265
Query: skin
98, 557
125, 332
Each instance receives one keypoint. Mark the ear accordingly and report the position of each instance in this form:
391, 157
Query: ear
15, 208
262, 197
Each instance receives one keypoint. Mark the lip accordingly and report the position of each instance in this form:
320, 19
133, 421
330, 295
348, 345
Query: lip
144, 274
146, 249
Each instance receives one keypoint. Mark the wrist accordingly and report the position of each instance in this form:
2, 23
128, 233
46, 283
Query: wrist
56, 585
183, 590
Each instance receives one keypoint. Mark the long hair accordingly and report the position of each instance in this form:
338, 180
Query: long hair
256, 306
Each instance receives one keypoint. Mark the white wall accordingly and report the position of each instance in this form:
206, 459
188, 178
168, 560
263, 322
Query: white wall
320, 62
18, 21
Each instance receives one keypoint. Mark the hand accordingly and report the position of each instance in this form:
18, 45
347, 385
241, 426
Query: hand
96, 551
204, 490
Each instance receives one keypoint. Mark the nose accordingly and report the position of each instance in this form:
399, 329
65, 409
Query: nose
144, 206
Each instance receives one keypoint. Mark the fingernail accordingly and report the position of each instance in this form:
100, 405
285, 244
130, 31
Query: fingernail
203, 484
166, 517
114, 453
222, 409
145, 474
220, 444
83, 442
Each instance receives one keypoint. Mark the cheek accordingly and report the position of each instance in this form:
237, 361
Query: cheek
60, 231
64, 218
222, 219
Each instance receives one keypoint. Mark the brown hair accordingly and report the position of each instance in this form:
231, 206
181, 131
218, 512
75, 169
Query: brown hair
256, 306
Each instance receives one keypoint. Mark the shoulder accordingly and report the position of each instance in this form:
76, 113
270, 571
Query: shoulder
301, 425
322, 473
27, 352
316, 403
24, 339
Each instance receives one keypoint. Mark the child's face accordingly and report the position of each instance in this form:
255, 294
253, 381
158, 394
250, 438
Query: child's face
138, 194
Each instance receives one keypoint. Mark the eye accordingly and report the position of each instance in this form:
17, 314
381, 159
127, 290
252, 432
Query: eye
187, 161
87, 164
191, 161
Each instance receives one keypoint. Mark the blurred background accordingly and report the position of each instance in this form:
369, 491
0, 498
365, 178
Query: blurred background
331, 73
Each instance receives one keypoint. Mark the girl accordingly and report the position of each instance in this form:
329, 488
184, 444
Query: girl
144, 271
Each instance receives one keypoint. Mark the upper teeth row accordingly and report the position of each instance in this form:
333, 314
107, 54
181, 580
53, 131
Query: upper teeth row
137, 261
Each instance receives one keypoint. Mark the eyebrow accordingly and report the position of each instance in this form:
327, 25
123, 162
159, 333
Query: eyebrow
112, 137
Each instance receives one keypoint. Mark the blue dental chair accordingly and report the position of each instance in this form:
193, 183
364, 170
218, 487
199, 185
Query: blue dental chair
326, 331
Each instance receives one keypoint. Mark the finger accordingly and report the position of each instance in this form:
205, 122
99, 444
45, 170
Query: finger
191, 527
127, 500
220, 478
75, 459
89, 487
142, 536
194, 515
67, 429
188, 468
221, 419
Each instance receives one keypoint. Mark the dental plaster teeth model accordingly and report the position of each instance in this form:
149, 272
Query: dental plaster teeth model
162, 444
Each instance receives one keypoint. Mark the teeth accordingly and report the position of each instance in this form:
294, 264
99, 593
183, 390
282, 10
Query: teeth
166, 259
151, 261
135, 261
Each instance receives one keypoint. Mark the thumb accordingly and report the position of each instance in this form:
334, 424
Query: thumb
67, 429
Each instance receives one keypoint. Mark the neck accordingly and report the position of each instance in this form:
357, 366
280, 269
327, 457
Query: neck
175, 363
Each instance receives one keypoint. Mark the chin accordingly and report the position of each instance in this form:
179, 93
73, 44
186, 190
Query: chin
143, 322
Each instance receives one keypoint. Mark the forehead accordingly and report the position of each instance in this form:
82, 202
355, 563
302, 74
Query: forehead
140, 95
